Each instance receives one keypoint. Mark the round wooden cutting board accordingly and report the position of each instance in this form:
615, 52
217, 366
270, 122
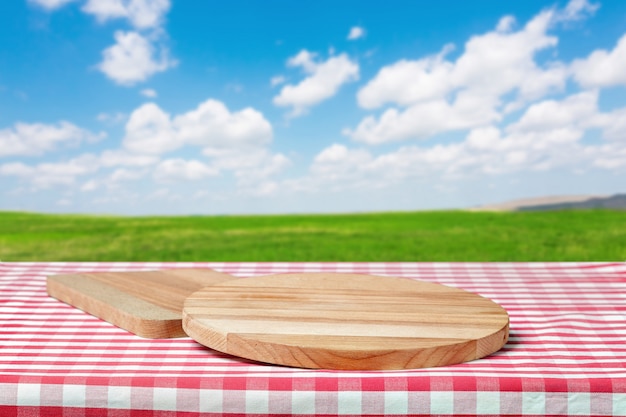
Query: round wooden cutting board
345, 321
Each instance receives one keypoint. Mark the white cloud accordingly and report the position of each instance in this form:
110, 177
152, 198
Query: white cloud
149, 92
323, 81
142, 14
114, 180
48, 174
426, 119
609, 156
133, 59
356, 32
110, 158
505, 24
575, 110
212, 124
277, 80
149, 131
549, 135
337, 164
494, 63
180, 169
440, 95
147, 13
408, 82
252, 169
614, 125
602, 68
233, 142
90, 185
338, 168
483, 138
39, 138
251, 166
333, 153
304, 59
152, 131
576, 10
50, 4
111, 118
66, 173
125, 174
104, 10
575, 114
17, 169
498, 63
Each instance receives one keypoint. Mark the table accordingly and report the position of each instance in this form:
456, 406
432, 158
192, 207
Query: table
566, 354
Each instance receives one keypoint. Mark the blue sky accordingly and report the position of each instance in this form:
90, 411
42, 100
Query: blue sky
183, 107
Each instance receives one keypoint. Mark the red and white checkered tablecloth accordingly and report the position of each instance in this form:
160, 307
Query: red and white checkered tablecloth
566, 354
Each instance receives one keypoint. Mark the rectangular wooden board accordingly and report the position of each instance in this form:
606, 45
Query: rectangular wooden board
146, 303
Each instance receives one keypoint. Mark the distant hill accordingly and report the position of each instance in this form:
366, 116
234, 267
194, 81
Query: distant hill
615, 202
563, 202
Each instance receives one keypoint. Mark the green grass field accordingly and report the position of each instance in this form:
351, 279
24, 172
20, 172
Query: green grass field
595, 235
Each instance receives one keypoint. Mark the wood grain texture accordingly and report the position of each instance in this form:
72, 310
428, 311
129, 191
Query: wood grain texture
345, 321
146, 303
